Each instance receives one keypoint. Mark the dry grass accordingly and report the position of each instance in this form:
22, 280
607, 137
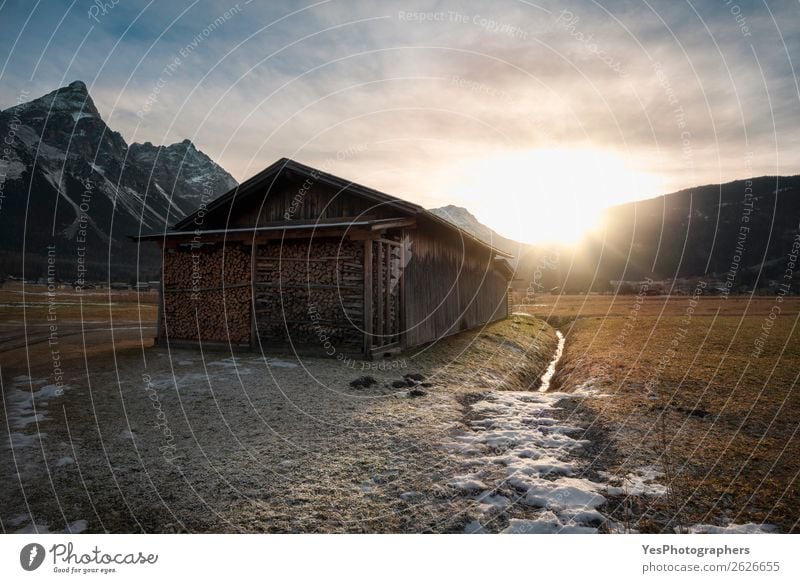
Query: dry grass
89, 326
696, 393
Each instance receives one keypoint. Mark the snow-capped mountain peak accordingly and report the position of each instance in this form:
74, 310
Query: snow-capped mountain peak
80, 178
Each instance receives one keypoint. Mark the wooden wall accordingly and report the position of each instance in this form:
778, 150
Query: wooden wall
451, 285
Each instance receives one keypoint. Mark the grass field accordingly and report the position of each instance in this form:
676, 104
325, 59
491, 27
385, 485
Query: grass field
707, 386
86, 327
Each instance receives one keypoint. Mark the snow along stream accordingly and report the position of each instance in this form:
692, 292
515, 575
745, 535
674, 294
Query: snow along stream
551, 369
516, 452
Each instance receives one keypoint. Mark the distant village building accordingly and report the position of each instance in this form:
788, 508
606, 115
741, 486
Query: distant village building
299, 259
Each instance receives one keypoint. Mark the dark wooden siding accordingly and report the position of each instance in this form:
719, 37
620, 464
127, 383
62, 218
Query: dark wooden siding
295, 199
451, 286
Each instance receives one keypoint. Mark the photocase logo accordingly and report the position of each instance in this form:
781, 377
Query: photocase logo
31, 556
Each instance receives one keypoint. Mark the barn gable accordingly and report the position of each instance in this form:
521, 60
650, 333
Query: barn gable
291, 192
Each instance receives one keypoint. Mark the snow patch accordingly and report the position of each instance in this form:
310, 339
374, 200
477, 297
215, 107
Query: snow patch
23, 440
547, 523
281, 364
79, 115
641, 482
561, 494
13, 170
551, 368
749, 528
76, 527
518, 432
410, 496
26, 407
466, 484
33, 528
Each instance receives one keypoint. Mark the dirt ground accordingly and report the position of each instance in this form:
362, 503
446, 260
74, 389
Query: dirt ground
152, 439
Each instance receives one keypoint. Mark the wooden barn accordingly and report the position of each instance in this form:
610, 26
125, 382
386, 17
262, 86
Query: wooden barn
302, 260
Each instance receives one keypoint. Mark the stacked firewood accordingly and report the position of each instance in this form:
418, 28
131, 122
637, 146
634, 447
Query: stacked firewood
205, 266
308, 292
207, 294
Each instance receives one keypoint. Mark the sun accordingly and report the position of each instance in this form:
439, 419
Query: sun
547, 196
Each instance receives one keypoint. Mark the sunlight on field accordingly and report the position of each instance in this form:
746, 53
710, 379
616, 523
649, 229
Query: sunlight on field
709, 384
78, 325
34, 302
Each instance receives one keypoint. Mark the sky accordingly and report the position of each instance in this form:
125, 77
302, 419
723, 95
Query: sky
533, 115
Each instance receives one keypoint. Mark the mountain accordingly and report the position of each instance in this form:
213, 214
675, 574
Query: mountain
74, 190
464, 219
739, 234
743, 232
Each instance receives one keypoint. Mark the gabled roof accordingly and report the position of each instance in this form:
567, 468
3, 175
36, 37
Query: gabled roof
320, 225
257, 183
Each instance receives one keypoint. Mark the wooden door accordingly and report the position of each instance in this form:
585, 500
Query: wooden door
386, 270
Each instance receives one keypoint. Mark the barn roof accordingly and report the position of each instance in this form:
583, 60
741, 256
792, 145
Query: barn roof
321, 225
255, 186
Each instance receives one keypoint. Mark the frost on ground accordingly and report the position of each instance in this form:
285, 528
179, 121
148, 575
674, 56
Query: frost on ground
541, 470
27, 401
76, 527
749, 528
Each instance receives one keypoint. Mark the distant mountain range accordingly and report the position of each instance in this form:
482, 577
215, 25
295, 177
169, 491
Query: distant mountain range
745, 227
73, 189
743, 231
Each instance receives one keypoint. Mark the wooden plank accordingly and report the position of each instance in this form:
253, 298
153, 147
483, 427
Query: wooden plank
308, 259
253, 326
401, 292
388, 291
367, 324
343, 325
379, 293
159, 325
352, 233
205, 289
188, 343
396, 224
263, 285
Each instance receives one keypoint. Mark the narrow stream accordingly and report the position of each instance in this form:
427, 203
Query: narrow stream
551, 369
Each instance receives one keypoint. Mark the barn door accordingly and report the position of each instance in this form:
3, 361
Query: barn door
387, 297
